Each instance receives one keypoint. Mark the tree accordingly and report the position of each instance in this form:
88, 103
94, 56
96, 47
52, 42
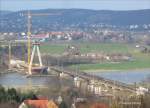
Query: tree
2, 94
63, 105
29, 95
12, 95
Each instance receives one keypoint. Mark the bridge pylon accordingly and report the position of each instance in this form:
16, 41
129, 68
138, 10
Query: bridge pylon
35, 47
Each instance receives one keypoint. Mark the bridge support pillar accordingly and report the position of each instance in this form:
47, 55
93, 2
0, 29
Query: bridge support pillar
97, 90
94, 87
91, 88
77, 82
49, 69
62, 75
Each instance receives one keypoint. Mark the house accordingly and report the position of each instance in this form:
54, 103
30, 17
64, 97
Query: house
43, 103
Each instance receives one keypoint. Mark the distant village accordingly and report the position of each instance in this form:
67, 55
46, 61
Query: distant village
101, 35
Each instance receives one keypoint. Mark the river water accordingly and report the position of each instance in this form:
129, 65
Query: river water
129, 77
16, 79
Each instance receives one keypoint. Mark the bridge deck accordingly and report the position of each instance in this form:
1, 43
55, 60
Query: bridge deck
89, 77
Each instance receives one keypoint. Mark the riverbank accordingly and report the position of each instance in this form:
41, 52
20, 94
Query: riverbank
107, 70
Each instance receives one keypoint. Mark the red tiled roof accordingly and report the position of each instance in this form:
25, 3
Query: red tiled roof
40, 36
37, 103
42, 103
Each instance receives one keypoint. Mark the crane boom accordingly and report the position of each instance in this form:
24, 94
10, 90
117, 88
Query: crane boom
29, 15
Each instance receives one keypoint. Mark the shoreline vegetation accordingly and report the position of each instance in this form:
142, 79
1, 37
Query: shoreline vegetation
123, 66
99, 68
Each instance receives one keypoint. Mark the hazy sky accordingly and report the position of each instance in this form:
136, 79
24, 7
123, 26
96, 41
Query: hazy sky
15, 5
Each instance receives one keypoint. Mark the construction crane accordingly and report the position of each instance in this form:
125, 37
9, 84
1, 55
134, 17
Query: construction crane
29, 26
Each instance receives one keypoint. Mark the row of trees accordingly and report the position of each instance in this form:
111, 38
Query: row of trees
12, 96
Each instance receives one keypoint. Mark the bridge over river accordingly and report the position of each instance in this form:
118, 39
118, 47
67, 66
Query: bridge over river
95, 83
95, 80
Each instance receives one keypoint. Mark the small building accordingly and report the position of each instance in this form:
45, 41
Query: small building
40, 37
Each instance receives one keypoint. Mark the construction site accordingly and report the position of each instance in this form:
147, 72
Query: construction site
49, 65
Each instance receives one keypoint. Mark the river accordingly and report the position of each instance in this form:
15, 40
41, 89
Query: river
16, 79
129, 77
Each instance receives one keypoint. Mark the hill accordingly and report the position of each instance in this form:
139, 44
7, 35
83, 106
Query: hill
4, 12
16, 21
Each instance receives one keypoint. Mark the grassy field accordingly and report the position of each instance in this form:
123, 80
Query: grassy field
139, 63
141, 60
87, 47
53, 48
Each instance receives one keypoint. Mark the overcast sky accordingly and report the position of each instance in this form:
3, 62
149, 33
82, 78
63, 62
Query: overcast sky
15, 5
